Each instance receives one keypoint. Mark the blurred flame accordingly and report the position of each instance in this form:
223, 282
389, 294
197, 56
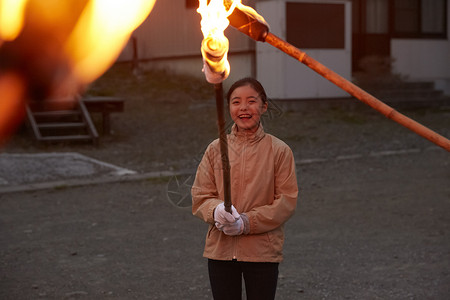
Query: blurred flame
11, 18
215, 44
101, 33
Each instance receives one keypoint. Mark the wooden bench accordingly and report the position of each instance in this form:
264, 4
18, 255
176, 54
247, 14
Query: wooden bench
105, 106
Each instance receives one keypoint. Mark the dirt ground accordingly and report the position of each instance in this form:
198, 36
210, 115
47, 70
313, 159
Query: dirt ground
372, 219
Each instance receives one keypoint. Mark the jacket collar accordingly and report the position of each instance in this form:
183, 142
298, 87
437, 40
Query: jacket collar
254, 137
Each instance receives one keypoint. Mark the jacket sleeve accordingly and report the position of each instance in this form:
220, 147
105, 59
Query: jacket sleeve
205, 195
269, 217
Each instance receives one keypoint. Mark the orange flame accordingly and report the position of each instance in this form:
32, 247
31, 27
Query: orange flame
101, 33
215, 44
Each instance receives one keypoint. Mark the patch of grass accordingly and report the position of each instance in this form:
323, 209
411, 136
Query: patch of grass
353, 119
348, 116
159, 180
61, 187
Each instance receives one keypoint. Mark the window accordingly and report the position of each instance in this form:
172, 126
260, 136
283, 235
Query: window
433, 16
377, 12
420, 18
314, 25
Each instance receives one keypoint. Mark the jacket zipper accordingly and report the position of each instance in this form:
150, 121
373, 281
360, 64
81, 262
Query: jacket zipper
235, 239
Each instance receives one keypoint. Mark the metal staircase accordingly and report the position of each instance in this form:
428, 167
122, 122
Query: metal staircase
61, 120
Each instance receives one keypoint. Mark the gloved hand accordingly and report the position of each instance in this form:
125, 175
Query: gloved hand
223, 217
235, 228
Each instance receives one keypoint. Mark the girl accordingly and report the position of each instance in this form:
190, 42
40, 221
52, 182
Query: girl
247, 243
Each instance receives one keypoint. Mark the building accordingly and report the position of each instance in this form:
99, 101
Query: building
413, 35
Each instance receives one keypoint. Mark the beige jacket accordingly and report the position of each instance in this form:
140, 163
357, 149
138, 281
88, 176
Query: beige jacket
263, 186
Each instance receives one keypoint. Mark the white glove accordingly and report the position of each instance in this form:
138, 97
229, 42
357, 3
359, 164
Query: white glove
235, 228
223, 217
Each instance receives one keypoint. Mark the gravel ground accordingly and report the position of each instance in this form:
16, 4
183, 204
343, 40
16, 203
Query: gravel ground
369, 228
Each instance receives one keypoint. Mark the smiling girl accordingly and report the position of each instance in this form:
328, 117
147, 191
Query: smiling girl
247, 243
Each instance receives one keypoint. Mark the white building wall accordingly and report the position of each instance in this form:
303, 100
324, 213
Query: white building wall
170, 30
424, 59
270, 62
287, 78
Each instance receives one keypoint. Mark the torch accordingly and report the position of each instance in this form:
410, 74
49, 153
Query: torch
216, 68
54, 49
248, 21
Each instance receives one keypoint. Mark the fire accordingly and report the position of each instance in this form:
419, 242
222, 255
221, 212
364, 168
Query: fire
55, 48
215, 44
101, 33
216, 16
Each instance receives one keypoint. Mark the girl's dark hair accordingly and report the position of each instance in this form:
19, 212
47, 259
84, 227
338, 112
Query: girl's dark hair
255, 84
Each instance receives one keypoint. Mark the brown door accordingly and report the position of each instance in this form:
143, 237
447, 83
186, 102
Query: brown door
370, 30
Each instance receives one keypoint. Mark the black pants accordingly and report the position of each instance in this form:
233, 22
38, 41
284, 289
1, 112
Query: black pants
226, 279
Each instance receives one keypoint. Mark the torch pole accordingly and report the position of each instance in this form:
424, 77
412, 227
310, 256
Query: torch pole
218, 87
357, 92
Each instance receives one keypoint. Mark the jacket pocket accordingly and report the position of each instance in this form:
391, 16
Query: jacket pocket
210, 230
276, 240
255, 246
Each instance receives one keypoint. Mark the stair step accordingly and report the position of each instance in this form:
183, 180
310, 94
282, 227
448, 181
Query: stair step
66, 138
49, 105
56, 113
61, 125
411, 93
402, 85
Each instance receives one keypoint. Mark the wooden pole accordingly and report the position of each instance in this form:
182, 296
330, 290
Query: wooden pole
357, 92
218, 87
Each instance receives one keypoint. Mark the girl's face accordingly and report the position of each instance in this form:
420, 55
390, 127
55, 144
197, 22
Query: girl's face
246, 108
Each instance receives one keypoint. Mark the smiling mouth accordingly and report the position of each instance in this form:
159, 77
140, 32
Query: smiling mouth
245, 116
